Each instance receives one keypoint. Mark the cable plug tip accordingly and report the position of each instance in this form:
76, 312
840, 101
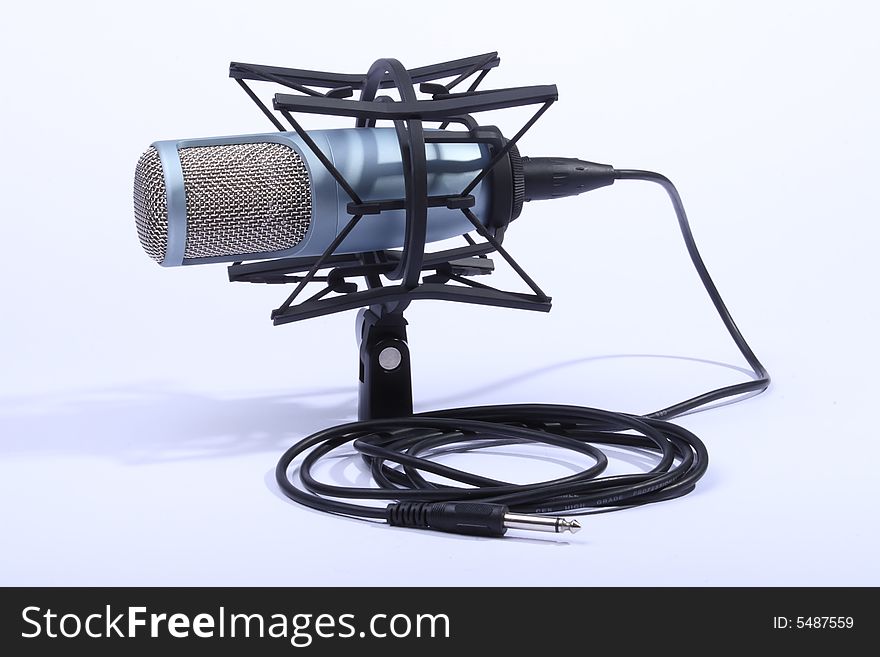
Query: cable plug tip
540, 523
571, 525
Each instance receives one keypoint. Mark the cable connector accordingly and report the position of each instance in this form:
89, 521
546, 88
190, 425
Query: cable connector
558, 177
472, 518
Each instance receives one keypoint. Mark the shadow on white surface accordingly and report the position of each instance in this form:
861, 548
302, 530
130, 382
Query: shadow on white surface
474, 393
149, 424
143, 424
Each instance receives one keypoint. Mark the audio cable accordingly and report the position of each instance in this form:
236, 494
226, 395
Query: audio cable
398, 451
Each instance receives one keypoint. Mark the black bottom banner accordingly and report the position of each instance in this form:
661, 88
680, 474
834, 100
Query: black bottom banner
429, 621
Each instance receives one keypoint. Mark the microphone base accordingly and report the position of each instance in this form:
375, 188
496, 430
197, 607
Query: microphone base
385, 389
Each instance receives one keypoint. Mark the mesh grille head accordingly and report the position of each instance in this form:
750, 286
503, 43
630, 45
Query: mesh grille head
244, 198
150, 205
241, 199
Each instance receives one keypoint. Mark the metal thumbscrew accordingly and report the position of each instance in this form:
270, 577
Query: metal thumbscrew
390, 358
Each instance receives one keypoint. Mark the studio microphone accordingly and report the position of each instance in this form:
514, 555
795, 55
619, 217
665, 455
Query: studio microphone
324, 209
264, 196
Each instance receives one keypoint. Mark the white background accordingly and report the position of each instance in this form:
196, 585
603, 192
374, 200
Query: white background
142, 410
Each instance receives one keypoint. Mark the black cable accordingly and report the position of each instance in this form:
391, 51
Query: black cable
762, 377
487, 506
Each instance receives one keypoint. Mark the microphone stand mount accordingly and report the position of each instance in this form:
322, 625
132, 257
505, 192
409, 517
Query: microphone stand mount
394, 278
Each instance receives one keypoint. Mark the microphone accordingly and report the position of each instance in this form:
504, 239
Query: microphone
326, 207
265, 196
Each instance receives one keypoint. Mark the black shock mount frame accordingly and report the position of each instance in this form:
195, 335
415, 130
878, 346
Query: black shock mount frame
385, 389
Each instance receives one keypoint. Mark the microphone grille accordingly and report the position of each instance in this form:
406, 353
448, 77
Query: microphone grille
241, 199
151, 205
244, 198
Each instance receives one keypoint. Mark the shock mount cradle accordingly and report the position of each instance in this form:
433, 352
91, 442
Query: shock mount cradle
385, 372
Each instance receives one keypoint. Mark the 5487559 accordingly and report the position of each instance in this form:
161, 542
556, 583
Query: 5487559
813, 622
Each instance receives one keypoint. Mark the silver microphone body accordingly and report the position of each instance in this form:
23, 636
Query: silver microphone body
250, 197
